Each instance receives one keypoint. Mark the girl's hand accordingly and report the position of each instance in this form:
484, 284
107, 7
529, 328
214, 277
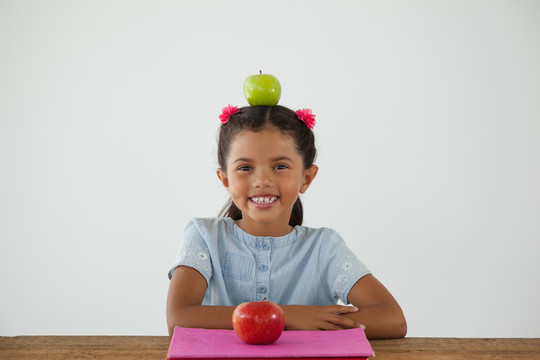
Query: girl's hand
307, 317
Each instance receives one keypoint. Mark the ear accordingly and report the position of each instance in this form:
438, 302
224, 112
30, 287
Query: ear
222, 175
309, 175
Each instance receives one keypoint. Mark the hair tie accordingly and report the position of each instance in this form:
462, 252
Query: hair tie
226, 112
306, 116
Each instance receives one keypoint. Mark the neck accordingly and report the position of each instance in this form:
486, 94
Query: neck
261, 229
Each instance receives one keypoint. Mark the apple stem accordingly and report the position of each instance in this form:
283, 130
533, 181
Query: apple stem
260, 71
263, 300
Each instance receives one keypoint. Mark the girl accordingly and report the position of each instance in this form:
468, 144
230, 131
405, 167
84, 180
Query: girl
260, 249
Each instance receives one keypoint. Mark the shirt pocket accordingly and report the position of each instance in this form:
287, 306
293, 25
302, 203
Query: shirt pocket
238, 267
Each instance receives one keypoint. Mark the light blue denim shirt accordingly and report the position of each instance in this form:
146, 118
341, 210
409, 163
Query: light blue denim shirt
305, 267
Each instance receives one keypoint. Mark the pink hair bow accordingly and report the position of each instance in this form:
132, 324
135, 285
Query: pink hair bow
226, 112
306, 116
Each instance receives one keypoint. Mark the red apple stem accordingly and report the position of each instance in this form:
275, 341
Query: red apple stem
263, 300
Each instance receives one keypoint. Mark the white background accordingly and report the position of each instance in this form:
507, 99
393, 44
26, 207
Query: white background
428, 135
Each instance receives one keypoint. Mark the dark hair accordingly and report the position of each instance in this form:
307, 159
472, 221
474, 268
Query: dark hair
257, 118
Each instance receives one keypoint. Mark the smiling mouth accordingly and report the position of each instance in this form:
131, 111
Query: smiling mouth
264, 199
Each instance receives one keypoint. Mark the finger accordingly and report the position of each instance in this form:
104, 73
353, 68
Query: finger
343, 321
341, 309
348, 309
329, 326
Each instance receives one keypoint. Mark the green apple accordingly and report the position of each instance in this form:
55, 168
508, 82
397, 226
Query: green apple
262, 89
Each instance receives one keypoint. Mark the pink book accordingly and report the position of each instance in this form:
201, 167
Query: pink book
189, 343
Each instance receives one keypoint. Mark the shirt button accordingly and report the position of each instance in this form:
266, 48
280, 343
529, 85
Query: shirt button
263, 268
261, 290
266, 246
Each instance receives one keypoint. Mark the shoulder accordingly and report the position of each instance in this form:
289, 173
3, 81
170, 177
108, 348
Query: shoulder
329, 242
210, 226
323, 234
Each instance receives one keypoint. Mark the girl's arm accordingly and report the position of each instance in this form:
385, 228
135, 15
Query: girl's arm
312, 317
186, 294
378, 310
375, 308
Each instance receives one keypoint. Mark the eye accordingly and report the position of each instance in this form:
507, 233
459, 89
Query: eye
280, 167
244, 168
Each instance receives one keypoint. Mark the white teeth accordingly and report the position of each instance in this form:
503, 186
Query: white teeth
264, 200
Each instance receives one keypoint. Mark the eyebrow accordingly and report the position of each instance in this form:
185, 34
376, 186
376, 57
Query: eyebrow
277, 158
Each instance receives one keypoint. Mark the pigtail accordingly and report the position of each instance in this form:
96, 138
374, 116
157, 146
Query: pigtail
297, 215
231, 210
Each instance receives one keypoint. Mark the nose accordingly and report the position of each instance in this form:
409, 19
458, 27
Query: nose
262, 178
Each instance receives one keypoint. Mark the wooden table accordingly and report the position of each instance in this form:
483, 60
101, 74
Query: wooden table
155, 347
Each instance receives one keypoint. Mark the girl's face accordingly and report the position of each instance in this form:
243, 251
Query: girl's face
264, 176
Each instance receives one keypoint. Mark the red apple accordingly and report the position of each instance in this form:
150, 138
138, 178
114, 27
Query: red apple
258, 322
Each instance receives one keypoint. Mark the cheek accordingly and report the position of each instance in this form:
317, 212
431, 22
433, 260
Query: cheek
291, 185
237, 183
